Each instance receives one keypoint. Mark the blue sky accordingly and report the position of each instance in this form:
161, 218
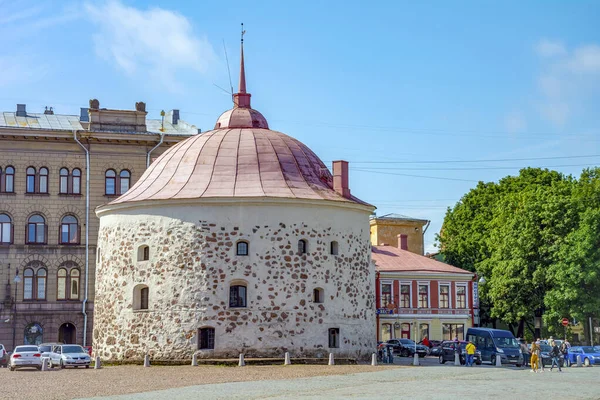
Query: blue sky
396, 82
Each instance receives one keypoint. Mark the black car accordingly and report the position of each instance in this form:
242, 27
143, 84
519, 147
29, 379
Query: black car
408, 346
448, 349
435, 351
395, 344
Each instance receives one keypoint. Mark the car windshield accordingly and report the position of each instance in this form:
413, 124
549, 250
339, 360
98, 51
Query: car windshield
72, 349
45, 349
407, 341
597, 349
26, 348
506, 342
588, 349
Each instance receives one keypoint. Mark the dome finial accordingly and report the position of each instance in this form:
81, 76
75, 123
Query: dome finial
241, 98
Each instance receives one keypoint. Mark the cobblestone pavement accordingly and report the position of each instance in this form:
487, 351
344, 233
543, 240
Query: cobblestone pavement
433, 381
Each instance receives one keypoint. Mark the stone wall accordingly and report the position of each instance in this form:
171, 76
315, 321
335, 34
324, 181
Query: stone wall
193, 263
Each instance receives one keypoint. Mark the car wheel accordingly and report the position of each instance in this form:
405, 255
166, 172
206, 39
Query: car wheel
518, 365
404, 353
586, 362
493, 360
421, 355
478, 362
442, 361
87, 366
62, 365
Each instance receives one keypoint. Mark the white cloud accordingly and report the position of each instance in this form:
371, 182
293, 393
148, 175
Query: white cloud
548, 48
156, 41
568, 78
515, 122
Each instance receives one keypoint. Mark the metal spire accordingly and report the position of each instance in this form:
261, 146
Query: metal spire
242, 70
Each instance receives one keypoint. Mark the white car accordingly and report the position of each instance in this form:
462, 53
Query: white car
68, 355
3, 357
25, 357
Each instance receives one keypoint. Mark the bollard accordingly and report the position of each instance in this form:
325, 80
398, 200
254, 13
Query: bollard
331, 361
498, 361
287, 360
241, 363
44, 363
579, 361
146, 360
194, 360
416, 360
97, 363
374, 359
456, 359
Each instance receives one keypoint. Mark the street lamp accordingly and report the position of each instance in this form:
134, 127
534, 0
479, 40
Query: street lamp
482, 280
17, 280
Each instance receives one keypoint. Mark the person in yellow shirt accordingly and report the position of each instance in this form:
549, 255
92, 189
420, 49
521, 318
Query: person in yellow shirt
470, 349
535, 353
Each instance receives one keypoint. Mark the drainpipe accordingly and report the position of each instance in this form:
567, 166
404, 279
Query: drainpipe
425, 230
87, 234
162, 137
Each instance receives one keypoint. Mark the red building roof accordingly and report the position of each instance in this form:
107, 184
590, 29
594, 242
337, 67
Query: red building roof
392, 259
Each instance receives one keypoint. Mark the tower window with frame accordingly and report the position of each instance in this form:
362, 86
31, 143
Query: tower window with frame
386, 294
144, 296
405, 296
206, 339
237, 296
334, 338
302, 246
241, 248
423, 296
444, 296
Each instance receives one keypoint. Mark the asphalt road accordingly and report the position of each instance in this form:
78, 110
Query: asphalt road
429, 381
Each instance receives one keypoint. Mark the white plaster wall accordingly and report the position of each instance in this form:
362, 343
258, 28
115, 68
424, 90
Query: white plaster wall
192, 261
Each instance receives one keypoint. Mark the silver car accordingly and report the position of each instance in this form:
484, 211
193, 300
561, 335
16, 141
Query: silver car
25, 357
68, 355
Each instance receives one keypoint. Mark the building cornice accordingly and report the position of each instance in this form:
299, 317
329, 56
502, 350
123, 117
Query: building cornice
460, 276
28, 134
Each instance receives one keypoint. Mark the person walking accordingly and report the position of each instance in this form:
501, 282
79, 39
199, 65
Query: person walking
426, 342
526, 353
555, 354
564, 350
535, 351
470, 350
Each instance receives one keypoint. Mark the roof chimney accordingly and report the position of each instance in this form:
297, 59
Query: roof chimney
172, 117
403, 242
340, 178
84, 115
21, 110
48, 111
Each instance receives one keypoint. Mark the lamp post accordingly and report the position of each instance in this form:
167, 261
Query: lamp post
17, 280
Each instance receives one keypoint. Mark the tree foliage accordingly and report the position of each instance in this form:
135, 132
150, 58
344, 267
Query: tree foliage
536, 239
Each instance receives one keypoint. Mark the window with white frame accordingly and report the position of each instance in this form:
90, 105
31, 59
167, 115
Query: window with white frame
461, 296
405, 295
444, 296
423, 295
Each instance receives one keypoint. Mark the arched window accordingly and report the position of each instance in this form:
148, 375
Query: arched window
64, 181
110, 182
74, 284
28, 284
40, 292
76, 181
237, 296
302, 246
6, 229
61, 284
206, 338
7, 180
241, 248
333, 248
141, 297
318, 295
33, 334
43, 180
69, 230
36, 230
125, 180
30, 182
143, 253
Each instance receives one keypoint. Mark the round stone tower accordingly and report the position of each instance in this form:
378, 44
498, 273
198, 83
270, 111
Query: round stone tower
237, 240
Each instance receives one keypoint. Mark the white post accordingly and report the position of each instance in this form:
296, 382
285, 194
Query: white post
331, 360
44, 363
146, 360
241, 363
498, 360
578, 360
416, 359
97, 363
287, 360
456, 358
194, 360
374, 359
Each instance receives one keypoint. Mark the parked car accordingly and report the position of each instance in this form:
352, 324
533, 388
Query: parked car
408, 347
436, 350
3, 356
395, 344
25, 357
589, 355
449, 349
493, 343
69, 355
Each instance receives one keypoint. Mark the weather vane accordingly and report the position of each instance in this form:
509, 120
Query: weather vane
243, 32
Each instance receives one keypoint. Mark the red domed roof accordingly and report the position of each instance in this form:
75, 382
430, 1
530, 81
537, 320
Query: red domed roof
244, 162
